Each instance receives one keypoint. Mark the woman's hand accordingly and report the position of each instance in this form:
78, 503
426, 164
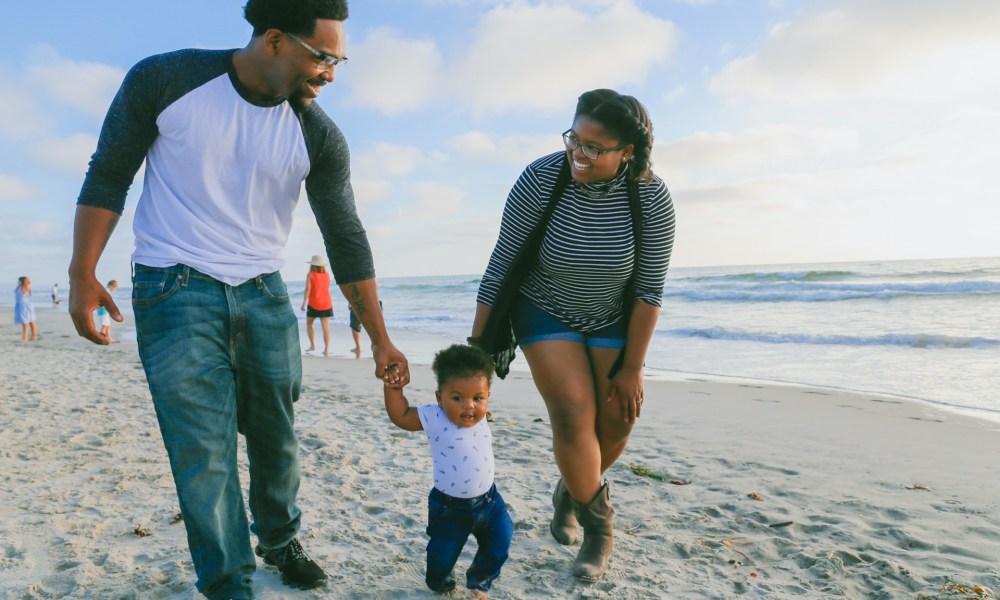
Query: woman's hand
626, 389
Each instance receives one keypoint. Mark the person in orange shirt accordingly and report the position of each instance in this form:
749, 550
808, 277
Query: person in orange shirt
318, 302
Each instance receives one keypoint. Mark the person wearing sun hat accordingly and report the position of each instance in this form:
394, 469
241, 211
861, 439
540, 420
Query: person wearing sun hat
317, 303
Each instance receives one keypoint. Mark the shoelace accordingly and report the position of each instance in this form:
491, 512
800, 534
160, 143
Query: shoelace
294, 552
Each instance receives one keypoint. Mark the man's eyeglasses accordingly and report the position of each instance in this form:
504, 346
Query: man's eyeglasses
572, 143
327, 60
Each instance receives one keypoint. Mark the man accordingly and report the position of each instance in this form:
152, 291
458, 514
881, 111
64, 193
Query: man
55, 294
228, 138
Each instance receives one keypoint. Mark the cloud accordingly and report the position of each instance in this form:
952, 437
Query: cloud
14, 188
523, 56
371, 191
435, 199
515, 149
86, 86
880, 142
40, 229
725, 155
912, 50
393, 74
20, 115
920, 193
671, 96
389, 160
70, 154
537, 57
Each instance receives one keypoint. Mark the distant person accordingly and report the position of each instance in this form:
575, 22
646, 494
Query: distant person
55, 294
24, 310
317, 303
355, 326
464, 499
104, 317
229, 139
593, 230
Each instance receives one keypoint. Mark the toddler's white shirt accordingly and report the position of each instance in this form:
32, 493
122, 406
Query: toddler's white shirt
463, 456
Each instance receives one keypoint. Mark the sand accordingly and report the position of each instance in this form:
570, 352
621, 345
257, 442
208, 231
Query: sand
788, 491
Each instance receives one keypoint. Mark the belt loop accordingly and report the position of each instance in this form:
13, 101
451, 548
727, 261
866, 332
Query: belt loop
184, 275
260, 281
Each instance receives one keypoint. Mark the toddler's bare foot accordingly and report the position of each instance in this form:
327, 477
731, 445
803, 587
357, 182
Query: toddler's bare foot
479, 595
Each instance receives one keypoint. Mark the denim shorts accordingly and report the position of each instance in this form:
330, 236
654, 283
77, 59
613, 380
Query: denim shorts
532, 324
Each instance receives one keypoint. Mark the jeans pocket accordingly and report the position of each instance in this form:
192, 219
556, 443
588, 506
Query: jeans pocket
274, 287
150, 286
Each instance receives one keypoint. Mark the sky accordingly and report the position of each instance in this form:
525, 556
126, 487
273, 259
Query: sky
788, 131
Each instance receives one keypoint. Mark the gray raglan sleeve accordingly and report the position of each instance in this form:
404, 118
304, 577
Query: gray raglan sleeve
128, 131
328, 187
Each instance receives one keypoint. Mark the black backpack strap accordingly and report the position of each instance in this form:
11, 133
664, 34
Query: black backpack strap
497, 337
528, 254
635, 207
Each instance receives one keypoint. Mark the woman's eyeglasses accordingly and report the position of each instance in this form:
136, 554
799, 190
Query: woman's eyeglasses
572, 143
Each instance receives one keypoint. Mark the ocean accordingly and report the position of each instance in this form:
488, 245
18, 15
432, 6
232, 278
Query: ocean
927, 330
924, 329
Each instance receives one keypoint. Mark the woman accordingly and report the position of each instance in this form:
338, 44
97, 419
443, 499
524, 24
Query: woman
584, 340
320, 304
24, 310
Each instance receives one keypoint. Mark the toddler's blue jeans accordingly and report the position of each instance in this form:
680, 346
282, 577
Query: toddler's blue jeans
450, 521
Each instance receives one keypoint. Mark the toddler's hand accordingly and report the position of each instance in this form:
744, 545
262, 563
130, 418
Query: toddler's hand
393, 386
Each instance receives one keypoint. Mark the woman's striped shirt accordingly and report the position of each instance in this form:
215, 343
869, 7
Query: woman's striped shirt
588, 251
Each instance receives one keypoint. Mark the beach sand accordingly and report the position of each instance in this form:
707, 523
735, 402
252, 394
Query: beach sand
789, 491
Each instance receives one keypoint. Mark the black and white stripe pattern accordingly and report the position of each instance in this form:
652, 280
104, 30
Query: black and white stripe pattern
588, 251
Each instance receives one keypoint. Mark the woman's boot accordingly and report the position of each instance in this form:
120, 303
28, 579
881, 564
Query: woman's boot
563, 525
597, 518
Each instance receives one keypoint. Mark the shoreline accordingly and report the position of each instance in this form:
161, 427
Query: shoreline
790, 491
420, 348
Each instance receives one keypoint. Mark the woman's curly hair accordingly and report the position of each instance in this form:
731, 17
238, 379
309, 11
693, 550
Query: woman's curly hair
625, 118
297, 17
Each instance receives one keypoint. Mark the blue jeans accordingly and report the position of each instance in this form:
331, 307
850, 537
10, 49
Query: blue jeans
219, 360
449, 523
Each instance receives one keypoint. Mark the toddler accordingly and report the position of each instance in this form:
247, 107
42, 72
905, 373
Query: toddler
464, 499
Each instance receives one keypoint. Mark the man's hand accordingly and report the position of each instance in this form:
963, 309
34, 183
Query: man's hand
85, 296
91, 230
390, 365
